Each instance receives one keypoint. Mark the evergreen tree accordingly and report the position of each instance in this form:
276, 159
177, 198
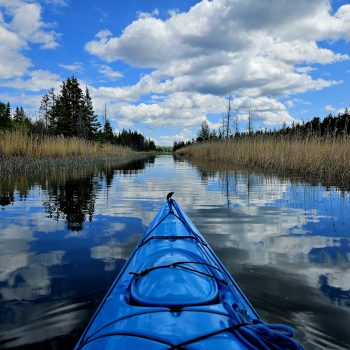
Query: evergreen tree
71, 112
5, 116
204, 132
67, 112
76, 102
61, 113
19, 116
45, 110
21, 120
108, 132
91, 124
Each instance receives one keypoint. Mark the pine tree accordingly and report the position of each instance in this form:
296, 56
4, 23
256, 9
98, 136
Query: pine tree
67, 111
71, 112
91, 124
5, 116
45, 110
61, 113
204, 132
21, 120
108, 132
76, 102
19, 116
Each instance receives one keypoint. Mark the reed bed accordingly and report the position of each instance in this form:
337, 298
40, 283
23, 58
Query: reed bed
323, 158
21, 154
19, 144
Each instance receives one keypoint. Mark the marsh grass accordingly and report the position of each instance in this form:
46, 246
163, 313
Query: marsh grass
19, 144
327, 159
21, 154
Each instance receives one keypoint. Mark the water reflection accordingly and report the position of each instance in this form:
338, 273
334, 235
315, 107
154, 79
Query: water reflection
64, 238
281, 237
54, 269
73, 200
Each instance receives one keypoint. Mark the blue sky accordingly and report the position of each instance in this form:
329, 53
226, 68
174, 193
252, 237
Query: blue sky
162, 67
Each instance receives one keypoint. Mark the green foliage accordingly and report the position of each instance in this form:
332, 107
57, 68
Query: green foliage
164, 148
91, 124
45, 109
21, 120
134, 140
70, 113
204, 132
5, 116
108, 131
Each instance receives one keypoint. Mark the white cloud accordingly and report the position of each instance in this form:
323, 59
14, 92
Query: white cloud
168, 140
248, 47
329, 108
154, 13
74, 67
57, 2
341, 110
38, 80
12, 62
186, 110
21, 27
26, 22
109, 73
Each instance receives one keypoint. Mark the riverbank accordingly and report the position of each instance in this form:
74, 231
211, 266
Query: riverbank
23, 155
326, 159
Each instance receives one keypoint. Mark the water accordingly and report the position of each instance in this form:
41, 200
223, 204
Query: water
63, 240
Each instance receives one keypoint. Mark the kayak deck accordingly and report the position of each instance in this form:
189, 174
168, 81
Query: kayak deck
174, 293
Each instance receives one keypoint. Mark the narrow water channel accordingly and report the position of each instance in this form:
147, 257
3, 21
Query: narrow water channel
63, 240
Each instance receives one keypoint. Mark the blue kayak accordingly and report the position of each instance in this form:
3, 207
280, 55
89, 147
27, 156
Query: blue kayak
174, 293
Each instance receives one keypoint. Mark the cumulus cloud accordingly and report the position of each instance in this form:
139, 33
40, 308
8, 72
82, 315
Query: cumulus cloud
26, 22
12, 62
168, 140
187, 110
251, 48
141, 14
37, 80
329, 108
20, 26
73, 67
57, 2
109, 73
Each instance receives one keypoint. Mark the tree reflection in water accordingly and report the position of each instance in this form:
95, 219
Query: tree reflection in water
73, 201
70, 195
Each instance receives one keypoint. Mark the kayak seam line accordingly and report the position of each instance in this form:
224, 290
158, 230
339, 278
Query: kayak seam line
169, 237
124, 318
125, 334
185, 309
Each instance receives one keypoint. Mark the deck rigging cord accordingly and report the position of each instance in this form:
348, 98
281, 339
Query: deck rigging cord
180, 264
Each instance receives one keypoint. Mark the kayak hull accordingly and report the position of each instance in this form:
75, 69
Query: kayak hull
174, 293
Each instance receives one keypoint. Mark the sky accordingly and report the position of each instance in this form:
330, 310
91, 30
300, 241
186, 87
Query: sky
163, 67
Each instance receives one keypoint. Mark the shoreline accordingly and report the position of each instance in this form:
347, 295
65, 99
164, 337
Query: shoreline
27, 166
23, 155
326, 161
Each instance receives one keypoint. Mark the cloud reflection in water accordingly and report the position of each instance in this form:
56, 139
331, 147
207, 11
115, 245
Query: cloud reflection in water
64, 241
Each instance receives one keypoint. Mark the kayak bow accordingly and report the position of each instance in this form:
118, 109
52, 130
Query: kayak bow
174, 293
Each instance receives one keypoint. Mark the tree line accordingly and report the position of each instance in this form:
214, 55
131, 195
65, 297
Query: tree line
330, 126
70, 113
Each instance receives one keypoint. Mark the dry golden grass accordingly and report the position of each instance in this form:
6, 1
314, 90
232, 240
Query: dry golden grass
325, 158
21, 155
18, 144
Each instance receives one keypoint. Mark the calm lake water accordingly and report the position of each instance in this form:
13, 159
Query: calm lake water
63, 240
